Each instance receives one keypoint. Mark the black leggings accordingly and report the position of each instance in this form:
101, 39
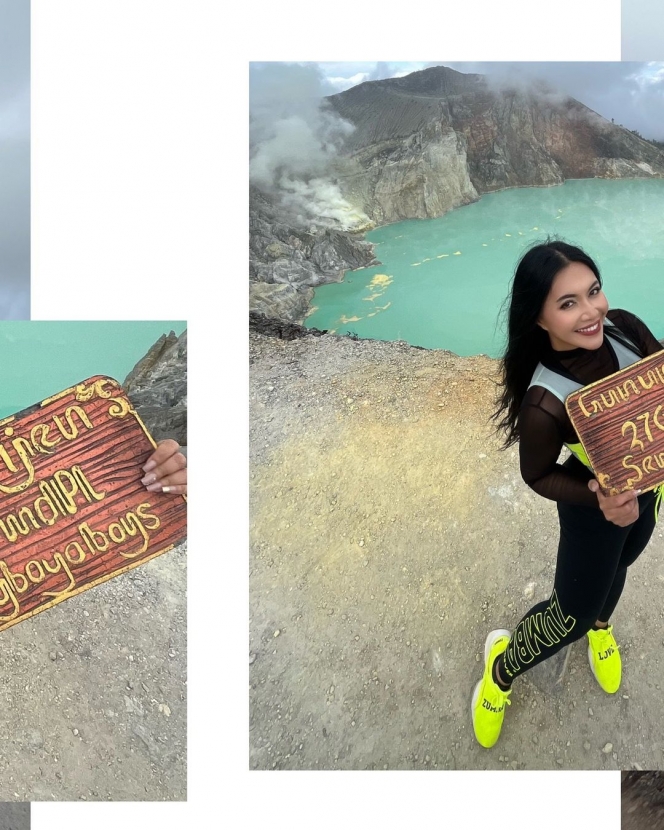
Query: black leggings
593, 557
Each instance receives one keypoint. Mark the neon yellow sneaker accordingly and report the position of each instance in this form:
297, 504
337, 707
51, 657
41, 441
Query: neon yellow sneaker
489, 700
604, 657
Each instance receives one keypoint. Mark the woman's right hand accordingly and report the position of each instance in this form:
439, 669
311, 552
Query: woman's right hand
622, 509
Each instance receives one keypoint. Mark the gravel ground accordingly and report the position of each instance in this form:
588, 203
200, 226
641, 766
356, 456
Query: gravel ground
94, 692
388, 536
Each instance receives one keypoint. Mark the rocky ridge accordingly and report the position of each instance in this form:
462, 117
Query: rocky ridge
157, 386
437, 139
286, 260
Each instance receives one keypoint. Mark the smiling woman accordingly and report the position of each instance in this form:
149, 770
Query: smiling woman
562, 336
573, 311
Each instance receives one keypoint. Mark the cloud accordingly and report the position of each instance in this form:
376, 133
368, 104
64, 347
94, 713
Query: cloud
630, 93
294, 140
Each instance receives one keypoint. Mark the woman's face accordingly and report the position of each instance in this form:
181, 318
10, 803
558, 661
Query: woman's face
574, 311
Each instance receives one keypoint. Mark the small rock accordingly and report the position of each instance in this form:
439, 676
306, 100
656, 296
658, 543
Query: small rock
606, 749
52, 655
35, 739
252, 658
277, 632
586, 744
75, 731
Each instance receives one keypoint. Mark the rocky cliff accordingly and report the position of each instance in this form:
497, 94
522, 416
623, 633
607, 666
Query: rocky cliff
287, 258
157, 386
421, 146
438, 139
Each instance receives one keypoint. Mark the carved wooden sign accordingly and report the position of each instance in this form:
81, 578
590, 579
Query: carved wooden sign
73, 511
620, 421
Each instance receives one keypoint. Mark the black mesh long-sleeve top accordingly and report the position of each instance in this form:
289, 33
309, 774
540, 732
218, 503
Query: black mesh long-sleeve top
544, 425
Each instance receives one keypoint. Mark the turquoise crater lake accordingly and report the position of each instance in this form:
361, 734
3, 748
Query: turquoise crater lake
442, 281
40, 359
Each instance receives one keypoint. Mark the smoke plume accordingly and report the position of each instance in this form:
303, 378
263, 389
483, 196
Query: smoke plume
294, 140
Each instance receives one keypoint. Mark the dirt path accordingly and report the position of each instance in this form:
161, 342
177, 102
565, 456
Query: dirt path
388, 536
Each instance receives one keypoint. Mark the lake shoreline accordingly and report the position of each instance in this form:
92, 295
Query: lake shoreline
573, 210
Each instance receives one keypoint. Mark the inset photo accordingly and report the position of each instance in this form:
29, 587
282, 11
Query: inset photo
456, 389
93, 528
642, 800
14, 816
14, 160
642, 30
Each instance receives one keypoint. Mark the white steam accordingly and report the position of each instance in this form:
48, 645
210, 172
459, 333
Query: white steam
294, 141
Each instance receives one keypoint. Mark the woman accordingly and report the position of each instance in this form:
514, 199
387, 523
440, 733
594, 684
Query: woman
561, 336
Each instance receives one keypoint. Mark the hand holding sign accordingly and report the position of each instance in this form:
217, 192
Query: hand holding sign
166, 469
621, 509
620, 421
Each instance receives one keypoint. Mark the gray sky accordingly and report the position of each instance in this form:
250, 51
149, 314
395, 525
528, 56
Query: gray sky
642, 30
14, 159
630, 93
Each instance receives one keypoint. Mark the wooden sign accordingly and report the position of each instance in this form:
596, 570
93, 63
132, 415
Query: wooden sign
620, 421
73, 511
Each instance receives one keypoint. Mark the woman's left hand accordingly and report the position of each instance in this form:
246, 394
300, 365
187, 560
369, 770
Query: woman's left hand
166, 469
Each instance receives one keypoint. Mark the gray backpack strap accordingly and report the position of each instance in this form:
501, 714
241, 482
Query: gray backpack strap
625, 356
558, 385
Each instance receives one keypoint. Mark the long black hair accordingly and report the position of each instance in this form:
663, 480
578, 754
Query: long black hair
526, 341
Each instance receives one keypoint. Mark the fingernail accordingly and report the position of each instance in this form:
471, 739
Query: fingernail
166, 489
149, 465
153, 488
149, 479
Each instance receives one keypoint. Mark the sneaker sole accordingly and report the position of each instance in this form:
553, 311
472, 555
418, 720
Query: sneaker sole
488, 645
